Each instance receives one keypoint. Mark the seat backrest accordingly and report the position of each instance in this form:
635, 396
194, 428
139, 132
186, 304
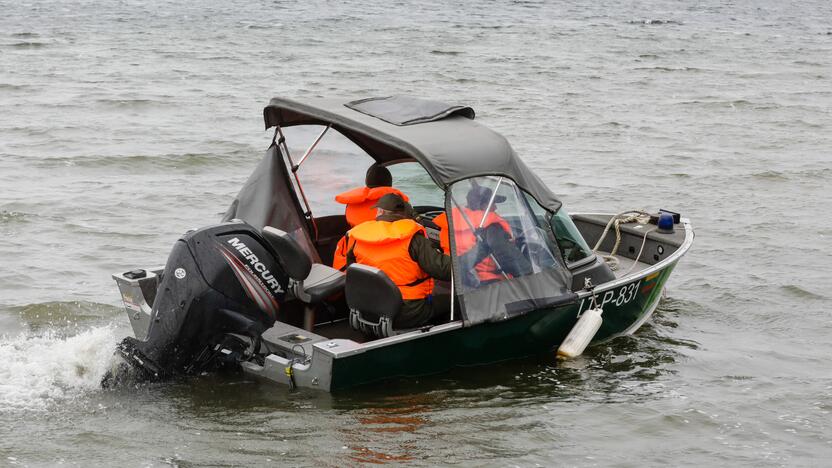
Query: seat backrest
372, 293
294, 261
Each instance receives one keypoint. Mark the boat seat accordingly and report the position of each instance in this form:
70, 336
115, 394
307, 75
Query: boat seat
374, 300
312, 282
322, 282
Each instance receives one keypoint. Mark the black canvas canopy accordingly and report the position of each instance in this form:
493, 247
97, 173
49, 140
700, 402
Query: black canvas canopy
454, 150
443, 138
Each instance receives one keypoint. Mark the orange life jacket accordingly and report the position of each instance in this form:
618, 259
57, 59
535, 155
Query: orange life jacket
339, 258
360, 202
465, 239
384, 245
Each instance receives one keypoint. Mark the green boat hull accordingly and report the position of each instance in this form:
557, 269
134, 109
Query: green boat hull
535, 333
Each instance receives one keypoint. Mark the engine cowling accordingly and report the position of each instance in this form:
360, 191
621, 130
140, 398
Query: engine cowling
218, 280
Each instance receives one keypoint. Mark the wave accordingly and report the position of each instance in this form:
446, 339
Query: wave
13, 87
39, 370
128, 103
12, 217
28, 45
655, 22
261, 26
670, 69
63, 316
167, 161
811, 173
770, 175
801, 293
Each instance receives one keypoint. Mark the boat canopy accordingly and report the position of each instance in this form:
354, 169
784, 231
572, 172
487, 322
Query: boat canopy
443, 138
489, 192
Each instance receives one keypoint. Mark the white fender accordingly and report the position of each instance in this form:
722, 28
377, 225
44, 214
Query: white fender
581, 334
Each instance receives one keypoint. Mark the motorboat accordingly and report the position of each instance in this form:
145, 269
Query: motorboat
256, 291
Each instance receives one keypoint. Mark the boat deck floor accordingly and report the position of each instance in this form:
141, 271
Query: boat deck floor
624, 265
341, 329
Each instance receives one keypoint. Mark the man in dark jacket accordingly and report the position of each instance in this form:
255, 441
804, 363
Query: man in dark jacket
385, 242
499, 245
478, 225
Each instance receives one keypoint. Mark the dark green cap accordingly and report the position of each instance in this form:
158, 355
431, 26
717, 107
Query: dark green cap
392, 202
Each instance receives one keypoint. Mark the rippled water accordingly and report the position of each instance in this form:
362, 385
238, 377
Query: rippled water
125, 123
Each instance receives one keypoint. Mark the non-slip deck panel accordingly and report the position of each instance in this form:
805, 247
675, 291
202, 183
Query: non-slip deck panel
283, 338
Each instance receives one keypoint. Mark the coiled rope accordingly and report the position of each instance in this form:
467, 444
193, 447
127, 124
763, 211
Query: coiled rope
625, 217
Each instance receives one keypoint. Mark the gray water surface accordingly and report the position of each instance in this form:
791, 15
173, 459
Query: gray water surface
124, 124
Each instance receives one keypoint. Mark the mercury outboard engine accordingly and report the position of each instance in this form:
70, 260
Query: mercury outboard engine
219, 282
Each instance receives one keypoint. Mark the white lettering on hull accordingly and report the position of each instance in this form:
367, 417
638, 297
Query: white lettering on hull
619, 296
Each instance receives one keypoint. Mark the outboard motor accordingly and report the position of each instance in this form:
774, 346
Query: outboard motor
219, 282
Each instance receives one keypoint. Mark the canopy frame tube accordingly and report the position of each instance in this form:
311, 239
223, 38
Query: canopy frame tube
285, 149
311, 147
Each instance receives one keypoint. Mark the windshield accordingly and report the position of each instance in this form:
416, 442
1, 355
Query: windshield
569, 238
506, 260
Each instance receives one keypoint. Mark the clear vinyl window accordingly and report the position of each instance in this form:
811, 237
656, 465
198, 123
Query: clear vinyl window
412, 179
497, 235
569, 238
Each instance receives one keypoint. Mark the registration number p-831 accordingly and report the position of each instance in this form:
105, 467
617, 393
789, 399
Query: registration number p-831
618, 296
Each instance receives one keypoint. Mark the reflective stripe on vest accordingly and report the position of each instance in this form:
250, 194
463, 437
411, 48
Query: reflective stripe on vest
385, 245
361, 203
465, 239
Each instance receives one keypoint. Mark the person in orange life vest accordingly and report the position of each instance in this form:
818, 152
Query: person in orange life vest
361, 205
360, 202
494, 236
397, 245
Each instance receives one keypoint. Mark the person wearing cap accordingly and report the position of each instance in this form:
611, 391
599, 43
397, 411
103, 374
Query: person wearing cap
397, 245
502, 259
360, 205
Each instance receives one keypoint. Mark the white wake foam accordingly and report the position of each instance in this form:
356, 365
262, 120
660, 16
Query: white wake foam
38, 370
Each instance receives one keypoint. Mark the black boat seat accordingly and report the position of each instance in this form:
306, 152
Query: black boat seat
313, 282
374, 300
323, 281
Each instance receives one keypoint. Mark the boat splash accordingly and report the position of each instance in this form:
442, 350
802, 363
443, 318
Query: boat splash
44, 368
